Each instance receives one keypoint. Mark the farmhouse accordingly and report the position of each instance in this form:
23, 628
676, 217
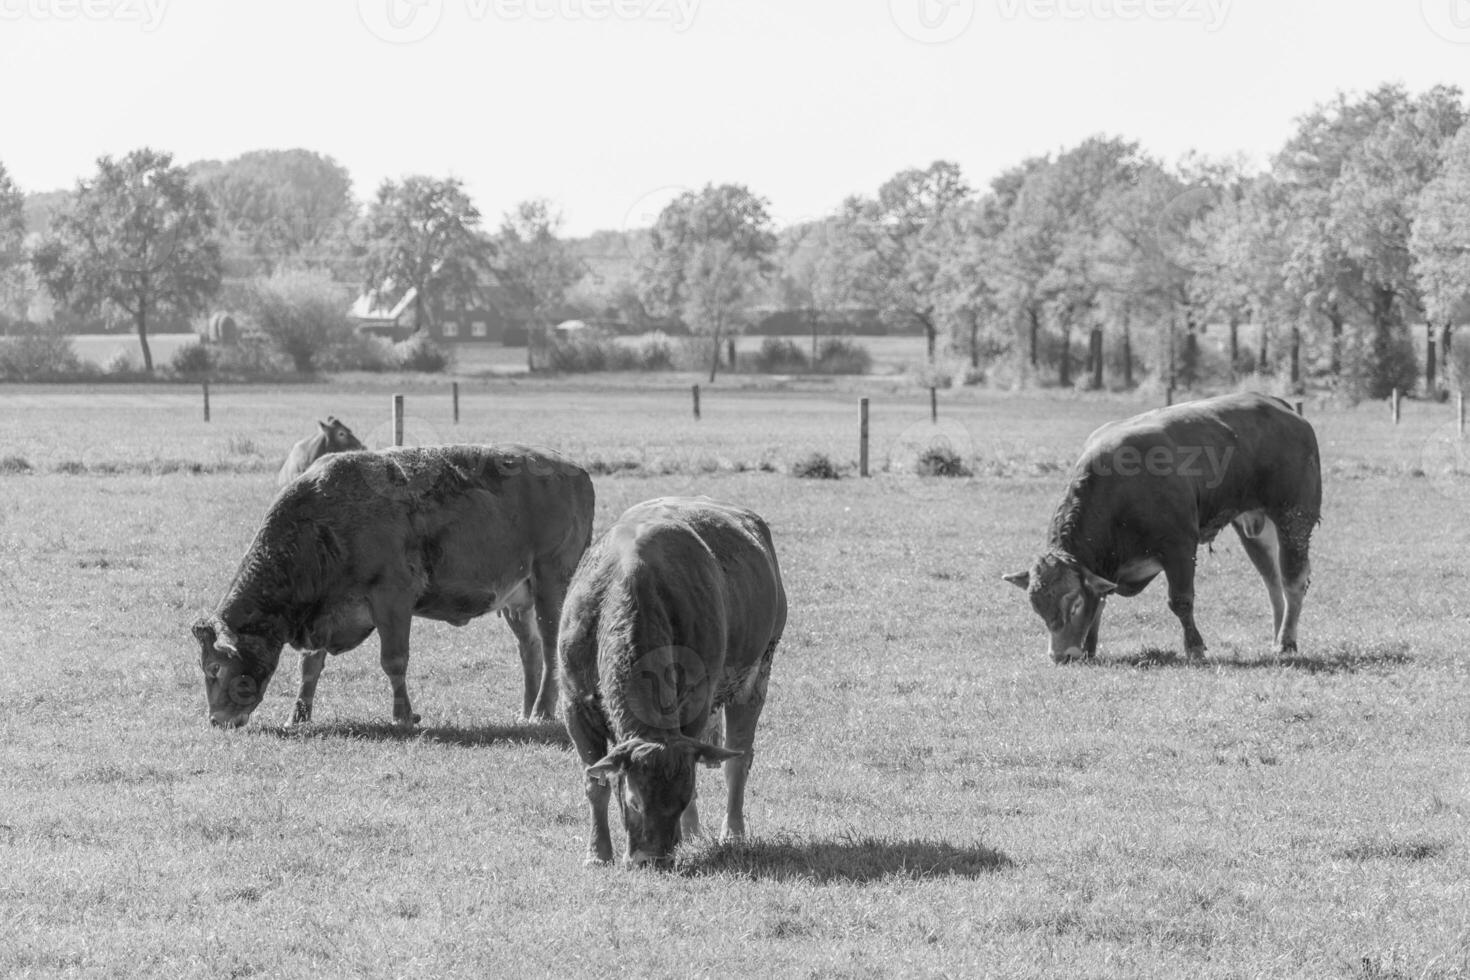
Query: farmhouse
494, 319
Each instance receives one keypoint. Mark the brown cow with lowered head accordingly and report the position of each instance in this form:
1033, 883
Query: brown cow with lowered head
367, 540
1149, 490
334, 437
674, 614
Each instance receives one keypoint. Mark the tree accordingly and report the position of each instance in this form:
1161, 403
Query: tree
302, 312
1353, 170
899, 239
1055, 236
813, 262
536, 266
423, 235
12, 243
281, 206
709, 251
1440, 243
136, 238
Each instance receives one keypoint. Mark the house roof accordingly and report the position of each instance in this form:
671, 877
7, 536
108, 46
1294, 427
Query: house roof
370, 305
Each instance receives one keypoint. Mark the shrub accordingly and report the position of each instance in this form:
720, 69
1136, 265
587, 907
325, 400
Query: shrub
839, 355
302, 313
419, 353
358, 351
38, 356
941, 461
123, 363
657, 355
254, 355
780, 356
582, 354
14, 464
192, 361
815, 467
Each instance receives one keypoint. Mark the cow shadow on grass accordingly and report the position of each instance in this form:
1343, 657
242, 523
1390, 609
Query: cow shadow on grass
469, 736
1346, 658
848, 859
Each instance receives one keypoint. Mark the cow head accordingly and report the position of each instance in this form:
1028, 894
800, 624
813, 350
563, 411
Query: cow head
654, 782
1067, 597
237, 669
339, 438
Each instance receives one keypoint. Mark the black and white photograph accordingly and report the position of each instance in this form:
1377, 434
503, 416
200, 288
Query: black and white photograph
631, 488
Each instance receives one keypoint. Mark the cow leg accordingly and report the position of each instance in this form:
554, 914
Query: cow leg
1089, 643
393, 627
312, 663
522, 623
590, 739
1264, 552
551, 594
740, 720
1296, 572
1179, 572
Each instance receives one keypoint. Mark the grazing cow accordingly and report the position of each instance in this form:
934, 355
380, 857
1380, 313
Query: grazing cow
675, 613
334, 437
366, 541
1149, 490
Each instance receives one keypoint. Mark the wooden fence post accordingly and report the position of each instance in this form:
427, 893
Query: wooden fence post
1460, 399
1394, 400
1299, 409
454, 386
933, 404
206, 401
695, 391
397, 420
863, 438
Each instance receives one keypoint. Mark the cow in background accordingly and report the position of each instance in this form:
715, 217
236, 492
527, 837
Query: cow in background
366, 541
674, 614
1149, 490
334, 437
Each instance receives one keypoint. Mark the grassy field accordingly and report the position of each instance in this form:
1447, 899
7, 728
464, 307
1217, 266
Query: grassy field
931, 797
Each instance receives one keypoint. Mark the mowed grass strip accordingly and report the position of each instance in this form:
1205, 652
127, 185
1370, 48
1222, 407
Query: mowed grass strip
930, 797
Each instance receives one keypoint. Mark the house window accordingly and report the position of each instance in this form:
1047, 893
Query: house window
478, 329
451, 329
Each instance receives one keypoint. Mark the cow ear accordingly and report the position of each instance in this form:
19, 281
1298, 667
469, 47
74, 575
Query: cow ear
1022, 579
324, 426
203, 631
1096, 584
712, 755
615, 763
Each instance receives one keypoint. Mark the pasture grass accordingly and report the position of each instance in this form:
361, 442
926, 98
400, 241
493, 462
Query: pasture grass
931, 795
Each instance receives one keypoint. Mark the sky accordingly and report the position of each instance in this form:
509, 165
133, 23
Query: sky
610, 108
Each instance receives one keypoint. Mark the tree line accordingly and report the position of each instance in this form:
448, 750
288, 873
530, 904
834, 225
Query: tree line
1098, 264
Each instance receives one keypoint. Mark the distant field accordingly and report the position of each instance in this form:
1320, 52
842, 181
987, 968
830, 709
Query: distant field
931, 796
100, 349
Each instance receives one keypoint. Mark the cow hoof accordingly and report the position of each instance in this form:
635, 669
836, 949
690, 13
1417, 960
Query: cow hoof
593, 861
1194, 655
1285, 650
407, 722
